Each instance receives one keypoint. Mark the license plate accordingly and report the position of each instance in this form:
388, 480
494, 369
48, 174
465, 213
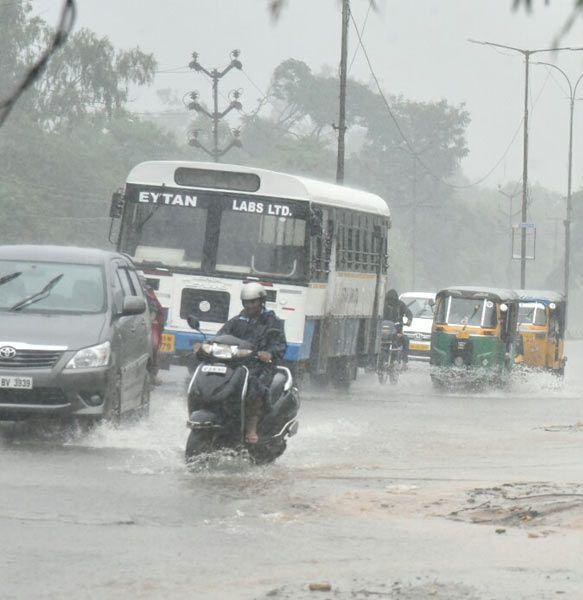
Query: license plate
16, 383
214, 369
168, 343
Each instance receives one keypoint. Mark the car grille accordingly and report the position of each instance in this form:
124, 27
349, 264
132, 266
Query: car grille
42, 396
31, 359
206, 305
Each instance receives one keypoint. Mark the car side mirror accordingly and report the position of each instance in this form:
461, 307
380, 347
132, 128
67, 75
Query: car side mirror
193, 322
133, 305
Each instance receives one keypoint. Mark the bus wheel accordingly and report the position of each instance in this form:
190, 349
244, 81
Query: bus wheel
319, 380
341, 373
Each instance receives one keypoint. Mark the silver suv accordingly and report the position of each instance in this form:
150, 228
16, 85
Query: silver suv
74, 334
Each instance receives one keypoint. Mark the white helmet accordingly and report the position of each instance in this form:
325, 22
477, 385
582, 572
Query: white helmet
253, 291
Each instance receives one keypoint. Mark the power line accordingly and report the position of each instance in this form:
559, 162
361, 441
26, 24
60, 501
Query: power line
412, 151
64, 28
364, 23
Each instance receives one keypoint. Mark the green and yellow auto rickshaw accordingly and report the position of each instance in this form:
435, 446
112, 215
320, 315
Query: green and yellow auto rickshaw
541, 325
474, 337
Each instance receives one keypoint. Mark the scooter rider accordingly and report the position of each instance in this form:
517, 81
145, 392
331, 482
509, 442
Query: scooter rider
397, 311
265, 330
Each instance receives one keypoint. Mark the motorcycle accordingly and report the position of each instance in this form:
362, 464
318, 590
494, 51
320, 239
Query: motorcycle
216, 402
390, 359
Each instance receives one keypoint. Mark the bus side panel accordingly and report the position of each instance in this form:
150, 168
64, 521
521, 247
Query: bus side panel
352, 295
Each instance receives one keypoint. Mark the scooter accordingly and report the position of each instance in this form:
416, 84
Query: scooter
216, 402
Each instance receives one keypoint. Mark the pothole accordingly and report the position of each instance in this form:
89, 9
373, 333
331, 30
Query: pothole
524, 505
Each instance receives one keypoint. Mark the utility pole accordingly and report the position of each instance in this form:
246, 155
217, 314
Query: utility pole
216, 75
569, 215
527, 54
341, 128
414, 226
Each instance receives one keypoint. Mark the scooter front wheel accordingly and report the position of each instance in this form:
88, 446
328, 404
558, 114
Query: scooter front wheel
264, 454
200, 441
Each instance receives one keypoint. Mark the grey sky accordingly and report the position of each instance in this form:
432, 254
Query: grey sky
418, 47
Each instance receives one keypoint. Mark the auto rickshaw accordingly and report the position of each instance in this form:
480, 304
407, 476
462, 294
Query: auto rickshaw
541, 325
474, 337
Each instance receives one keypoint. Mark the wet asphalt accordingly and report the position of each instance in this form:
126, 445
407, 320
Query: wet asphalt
386, 492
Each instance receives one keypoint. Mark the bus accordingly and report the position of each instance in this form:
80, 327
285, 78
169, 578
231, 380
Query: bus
200, 231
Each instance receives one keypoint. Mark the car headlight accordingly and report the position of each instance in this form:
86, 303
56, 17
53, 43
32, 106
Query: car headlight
94, 356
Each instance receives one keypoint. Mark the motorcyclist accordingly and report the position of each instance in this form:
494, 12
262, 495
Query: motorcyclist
398, 312
262, 328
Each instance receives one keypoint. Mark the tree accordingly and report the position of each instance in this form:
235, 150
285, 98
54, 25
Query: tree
85, 77
71, 141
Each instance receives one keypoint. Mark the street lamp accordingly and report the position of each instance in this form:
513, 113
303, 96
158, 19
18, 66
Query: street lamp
572, 97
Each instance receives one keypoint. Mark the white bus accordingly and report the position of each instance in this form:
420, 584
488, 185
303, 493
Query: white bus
199, 231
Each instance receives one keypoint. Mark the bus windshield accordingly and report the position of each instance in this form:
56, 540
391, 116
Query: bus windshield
474, 313
216, 238
172, 236
261, 245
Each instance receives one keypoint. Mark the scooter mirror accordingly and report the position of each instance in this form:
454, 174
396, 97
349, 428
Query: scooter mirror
193, 322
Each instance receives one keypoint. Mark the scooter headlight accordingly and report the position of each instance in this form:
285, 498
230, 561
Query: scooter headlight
222, 351
243, 352
207, 348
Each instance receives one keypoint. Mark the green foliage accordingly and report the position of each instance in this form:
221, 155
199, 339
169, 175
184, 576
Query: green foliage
69, 143
87, 76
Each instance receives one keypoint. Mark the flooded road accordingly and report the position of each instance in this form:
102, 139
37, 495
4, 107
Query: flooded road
389, 492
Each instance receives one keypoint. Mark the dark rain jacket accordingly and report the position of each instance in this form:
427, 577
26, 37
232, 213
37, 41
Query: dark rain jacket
396, 310
257, 331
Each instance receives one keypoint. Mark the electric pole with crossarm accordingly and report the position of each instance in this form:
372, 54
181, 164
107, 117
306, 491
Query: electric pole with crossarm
216, 116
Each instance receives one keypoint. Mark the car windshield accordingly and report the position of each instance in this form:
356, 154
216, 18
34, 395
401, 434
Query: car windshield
261, 244
73, 289
422, 308
471, 312
532, 313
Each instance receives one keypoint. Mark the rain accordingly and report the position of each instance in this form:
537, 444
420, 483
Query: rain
290, 299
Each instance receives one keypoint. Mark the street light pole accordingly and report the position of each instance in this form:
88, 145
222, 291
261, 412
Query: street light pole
524, 177
527, 54
572, 97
